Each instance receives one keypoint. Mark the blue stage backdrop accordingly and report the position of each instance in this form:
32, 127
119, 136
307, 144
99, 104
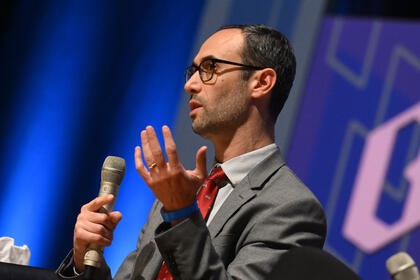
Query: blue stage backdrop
361, 112
80, 79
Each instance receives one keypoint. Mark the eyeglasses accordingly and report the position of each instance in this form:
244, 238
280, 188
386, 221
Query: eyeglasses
207, 68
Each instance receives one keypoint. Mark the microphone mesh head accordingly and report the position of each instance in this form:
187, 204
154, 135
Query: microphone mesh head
399, 262
113, 170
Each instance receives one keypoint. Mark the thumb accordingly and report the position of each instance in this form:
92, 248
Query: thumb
115, 216
201, 167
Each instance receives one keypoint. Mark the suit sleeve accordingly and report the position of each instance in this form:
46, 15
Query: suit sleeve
133, 265
190, 253
65, 270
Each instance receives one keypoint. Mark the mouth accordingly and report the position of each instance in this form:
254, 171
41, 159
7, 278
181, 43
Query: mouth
194, 105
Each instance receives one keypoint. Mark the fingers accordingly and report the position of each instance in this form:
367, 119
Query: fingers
115, 217
201, 164
141, 169
83, 237
97, 218
96, 233
170, 147
108, 220
152, 150
147, 153
97, 203
98, 228
154, 147
93, 227
98, 223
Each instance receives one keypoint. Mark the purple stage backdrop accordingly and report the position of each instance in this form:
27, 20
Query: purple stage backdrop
356, 140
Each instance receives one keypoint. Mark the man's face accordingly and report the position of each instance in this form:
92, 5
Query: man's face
221, 104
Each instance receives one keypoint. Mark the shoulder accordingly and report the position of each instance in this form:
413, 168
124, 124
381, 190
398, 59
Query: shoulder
274, 179
287, 184
284, 191
280, 194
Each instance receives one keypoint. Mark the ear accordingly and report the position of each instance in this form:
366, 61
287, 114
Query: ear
261, 82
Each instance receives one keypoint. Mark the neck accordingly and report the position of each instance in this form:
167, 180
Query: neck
244, 139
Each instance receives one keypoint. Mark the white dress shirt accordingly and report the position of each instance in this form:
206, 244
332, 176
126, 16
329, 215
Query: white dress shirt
236, 170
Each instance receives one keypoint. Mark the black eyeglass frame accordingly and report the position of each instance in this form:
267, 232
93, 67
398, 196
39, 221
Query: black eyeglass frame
190, 70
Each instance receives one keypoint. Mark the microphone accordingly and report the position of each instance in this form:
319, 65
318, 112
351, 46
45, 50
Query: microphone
112, 174
402, 267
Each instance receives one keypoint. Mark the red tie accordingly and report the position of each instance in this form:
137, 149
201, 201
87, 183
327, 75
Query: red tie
205, 199
208, 191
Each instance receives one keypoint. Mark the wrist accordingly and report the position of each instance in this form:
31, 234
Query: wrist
78, 261
180, 214
177, 222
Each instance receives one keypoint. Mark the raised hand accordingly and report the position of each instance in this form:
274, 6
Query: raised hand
174, 186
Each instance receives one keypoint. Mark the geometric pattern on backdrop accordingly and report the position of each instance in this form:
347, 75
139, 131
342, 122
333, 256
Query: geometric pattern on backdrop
361, 112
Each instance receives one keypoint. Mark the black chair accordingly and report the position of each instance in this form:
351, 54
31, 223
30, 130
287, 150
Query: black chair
311, 263
10, 271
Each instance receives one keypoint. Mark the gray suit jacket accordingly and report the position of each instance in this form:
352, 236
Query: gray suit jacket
269, 212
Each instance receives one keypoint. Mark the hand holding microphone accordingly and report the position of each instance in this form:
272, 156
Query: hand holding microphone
96, 221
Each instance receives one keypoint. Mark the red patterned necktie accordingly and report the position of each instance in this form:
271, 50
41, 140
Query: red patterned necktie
205, 199
208, 191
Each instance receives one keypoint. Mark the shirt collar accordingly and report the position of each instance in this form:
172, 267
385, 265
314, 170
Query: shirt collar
237, 168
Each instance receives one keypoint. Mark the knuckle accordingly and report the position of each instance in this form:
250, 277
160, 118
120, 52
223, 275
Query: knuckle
97, 239
114, 225
176, 171
159, 181
102, 230
77, 232
170, 148
108, 235
81, 216
102, 218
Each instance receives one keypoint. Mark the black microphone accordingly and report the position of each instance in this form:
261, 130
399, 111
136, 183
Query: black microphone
112, 174
402, 267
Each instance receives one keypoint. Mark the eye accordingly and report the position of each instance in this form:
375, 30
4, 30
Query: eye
208, 65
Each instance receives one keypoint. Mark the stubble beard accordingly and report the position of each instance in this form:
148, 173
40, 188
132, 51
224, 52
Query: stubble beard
224, 117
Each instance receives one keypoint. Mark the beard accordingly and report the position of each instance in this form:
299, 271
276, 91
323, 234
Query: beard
223, 116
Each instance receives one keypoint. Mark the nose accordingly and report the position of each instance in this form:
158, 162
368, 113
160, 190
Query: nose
193, 85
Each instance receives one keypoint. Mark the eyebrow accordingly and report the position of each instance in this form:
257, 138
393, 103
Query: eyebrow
203, 59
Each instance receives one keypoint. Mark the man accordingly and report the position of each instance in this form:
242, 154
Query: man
238, 84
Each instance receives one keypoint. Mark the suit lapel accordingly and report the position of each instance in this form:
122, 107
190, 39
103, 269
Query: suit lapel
242, 193
246, 190
235, 200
